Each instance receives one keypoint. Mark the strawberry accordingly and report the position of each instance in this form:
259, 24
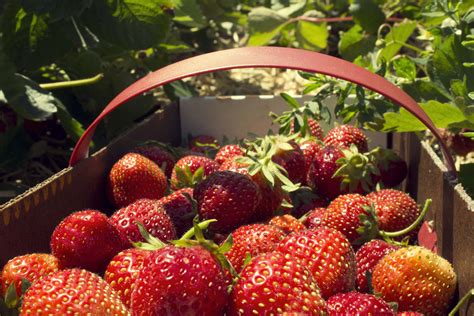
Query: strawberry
393, 169
30, 267
72, 292
304, 200
395, 209
416, 279
190, 170
227, 152
86, 240
314, 218
180, 281
179, 208
290, 157
344, 213
135, 177
309, 149
315, 128
287, 223
158, 155
229, 197
122, 272
409, 313
203, 143
147, 212
354, 303
367, 258
345, 135
327, 254
274, 283
252, 239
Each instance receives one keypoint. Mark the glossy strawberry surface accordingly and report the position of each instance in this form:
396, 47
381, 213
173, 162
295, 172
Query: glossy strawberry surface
344, 136
354, 303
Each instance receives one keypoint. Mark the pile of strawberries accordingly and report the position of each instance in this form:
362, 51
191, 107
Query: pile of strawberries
295, 224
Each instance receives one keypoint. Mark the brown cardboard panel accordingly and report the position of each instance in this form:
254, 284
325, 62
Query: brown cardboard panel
26, 223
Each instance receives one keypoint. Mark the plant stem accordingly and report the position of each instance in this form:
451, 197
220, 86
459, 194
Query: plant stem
463, 300
203, 225
71, 83
412, 226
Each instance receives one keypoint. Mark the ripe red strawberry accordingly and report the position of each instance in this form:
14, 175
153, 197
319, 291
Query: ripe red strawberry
292, 161
393, 169
180, 281
30, 267
154, 219
416, 279
314, 127
203, 143
367, 258
179, 208
229, 197
274, 283
122, 272
309, 148
355, 303
72, 292
135, 177
315, 217
228, 152
409, 313
180, 179
344, 212
158, 155
253, 239
345, 135
287, 223
86, 240
327, 254
305, 201
395, 209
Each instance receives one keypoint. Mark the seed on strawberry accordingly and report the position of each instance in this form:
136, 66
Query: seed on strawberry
309, 149
135, 177
203, 143
30, 267
122, 272
252, 239
345, 135
179, 208
86, 240
190, 170
314, 128
409, 313
327, 254
158, 155
354, 303
416, 279
154, 219
287, 223
229, 197
274, 283
314, 218
367, 258
72, 292
228, 152
180, 281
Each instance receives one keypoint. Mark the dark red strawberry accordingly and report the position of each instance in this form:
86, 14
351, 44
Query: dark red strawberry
345, 135
287, 223
86, 240
416, 279
457, 142
228, 152
30, 267
395, 210
276, 284
191, 164
203, 143
229, 197
393, 169
135, 177
327, 254
304, 200
354, 303
314, 218
309, 148
72, 292
314, 127
367, 258
252, 239
180, 281
409, 313
154, 219
290, 157
159, 156
344, 213
180, 209
122, 272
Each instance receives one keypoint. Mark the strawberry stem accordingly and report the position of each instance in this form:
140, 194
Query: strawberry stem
202, 225
71, 83
463, 300
412, 226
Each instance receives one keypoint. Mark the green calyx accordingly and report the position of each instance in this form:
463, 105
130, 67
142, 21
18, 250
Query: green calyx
356, 169
186, 179
382, 156
11, 302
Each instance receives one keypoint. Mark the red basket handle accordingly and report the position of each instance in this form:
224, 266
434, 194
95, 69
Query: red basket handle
270, 57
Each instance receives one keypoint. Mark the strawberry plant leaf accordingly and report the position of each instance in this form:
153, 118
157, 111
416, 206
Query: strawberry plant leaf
290, 100
465, 177
395, 39
404, 68
189, 13
355, 42
312, 36
264, 25
57, 9
367, 14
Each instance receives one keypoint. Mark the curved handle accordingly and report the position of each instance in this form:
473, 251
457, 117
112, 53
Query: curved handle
270, 57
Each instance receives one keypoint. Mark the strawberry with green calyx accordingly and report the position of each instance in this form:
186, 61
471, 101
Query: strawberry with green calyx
304, 200
162, 154
228, 152
314, 218
287, 223
12, 298
345, 136
393, 169
180, 209
416, 279
354, 303
190, 170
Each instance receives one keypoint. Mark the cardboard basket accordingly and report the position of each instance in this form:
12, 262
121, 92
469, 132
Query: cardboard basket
27, 222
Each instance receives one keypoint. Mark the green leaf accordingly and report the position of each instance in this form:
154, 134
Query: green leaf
11, 298
180, 89
424, 89
56, 9
293, 10
355, 43
367, 14
264, 25
465, 177
189, 13
72, 126
405, 68
226, 245
312, 35
395, 39
290, 100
